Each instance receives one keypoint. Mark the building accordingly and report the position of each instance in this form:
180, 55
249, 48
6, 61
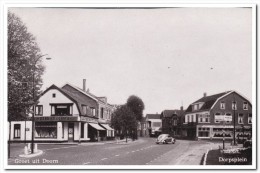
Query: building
153, 124
141, 128
204, 117
172, 122
66, 114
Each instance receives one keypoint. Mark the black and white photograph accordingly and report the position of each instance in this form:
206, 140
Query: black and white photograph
117, 86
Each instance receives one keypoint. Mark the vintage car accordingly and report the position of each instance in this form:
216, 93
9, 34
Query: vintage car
165, 139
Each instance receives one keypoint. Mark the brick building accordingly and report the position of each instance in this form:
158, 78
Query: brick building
203, 118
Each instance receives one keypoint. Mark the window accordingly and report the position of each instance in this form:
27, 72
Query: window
228, 118
234, 105
240, 119
93, 111
188, 118
61, 109
102, 113
17, 131
195, 107
82, 130
84, 109
245, 106
53, 95
46, 129
204, 118
203, 132
222, 105
217, 118
175, 122
39, 110
249, 118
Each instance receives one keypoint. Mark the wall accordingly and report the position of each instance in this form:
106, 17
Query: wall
47, 98
228, 109
24, 124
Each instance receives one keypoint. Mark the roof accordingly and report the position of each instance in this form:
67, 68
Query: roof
208, 101
153, 116
170, 113
88, 94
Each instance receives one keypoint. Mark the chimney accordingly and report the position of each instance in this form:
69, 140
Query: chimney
84, 85
181, 108
205, 94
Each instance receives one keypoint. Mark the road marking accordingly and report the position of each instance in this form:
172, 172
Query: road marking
104, 159
133, 151
60, 148
117, 155
127, 152
86, 163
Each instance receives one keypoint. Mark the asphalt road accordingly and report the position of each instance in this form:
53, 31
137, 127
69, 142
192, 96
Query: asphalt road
144, 151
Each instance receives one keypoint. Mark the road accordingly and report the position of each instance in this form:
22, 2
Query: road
144, 151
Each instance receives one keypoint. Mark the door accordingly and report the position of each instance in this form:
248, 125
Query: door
71, 132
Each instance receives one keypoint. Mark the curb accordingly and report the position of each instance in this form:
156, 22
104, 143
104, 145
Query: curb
205, 157
31, 155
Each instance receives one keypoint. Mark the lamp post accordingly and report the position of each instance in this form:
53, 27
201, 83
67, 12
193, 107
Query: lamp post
33, 115
234, 119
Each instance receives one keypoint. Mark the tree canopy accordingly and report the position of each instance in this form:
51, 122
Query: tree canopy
23, 64
136, 104
124, 120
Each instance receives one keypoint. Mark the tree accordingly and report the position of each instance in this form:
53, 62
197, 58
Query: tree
24, 66
124, 121
136, 104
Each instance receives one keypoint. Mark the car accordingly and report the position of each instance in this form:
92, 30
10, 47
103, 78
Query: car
165, 139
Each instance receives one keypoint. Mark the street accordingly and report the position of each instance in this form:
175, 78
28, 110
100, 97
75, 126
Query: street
143, 151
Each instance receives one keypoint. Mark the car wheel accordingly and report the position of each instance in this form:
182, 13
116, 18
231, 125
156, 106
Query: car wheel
164, 142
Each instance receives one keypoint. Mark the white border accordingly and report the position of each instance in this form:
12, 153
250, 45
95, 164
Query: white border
7, 4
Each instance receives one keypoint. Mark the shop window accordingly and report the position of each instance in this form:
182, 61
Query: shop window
222, 105
249, 118
46, 129
17, 131
245, 106
39, 110
61, 109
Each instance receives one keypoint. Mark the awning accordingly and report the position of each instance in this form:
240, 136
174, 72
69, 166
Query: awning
96, 126
107, 126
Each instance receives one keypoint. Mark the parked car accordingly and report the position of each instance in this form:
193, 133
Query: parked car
165, 139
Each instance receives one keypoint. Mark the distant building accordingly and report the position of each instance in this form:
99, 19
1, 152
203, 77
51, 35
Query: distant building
153, 124
203, 118
67, 114
172, 121
142, 128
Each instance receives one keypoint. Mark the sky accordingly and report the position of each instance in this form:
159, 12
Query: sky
168, 57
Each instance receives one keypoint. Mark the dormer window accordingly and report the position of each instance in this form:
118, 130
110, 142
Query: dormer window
222, 105
84, 109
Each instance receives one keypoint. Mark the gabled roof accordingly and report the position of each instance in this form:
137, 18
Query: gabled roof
153, 116
170, 113
208, 101
74, 98
87, 94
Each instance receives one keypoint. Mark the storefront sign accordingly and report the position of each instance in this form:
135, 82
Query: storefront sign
56, 118
223, 118
87, 119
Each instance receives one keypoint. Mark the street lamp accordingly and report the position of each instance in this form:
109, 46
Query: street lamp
33, 115
234, 119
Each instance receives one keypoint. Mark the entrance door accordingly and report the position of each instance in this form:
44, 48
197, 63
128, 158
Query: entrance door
71, 132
